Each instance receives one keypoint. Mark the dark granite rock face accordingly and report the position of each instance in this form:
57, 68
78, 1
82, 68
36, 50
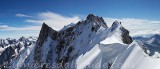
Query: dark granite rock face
126, 38
44, 33
42, 37
100, 20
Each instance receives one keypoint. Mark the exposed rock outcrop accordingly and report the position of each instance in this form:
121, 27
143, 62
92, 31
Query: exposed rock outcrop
126, 38
7, 55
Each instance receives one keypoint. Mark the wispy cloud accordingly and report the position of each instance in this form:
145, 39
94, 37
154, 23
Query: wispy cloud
57, 21
54, 20
31, 28
22, 15
3, 26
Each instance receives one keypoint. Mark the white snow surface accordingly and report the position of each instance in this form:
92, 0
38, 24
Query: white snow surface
121, 55
134, 58
111, 40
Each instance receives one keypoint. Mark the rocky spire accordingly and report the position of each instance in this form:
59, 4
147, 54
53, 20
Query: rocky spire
125, 37
43, 34
99, 20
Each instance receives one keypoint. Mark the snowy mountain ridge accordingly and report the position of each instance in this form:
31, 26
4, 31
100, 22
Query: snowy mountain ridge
65, 46
88, 44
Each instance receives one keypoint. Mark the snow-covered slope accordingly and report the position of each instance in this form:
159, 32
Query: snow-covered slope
135, 58
112, 53
117, 34
118, 55
100, 56
107, 50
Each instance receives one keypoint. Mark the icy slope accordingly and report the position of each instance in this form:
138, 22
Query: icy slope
105, 52
135, 58
119, 56
112, 53
117, 34
84, 60
100, 56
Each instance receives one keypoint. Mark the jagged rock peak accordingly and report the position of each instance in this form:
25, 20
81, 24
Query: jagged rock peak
44, 25
43, 33
44, 29
156, 36
93, 18
116, 23
126, 38
90, 16
22, 38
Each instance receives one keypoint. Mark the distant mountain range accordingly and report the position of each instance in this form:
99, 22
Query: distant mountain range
10, 49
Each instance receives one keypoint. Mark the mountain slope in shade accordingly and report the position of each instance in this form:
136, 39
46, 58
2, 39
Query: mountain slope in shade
65, 46
150, 44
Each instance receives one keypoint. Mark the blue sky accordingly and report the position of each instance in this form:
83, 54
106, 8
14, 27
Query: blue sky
24, 17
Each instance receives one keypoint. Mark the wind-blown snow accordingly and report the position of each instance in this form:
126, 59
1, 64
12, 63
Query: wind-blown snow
135, 58
87, 58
